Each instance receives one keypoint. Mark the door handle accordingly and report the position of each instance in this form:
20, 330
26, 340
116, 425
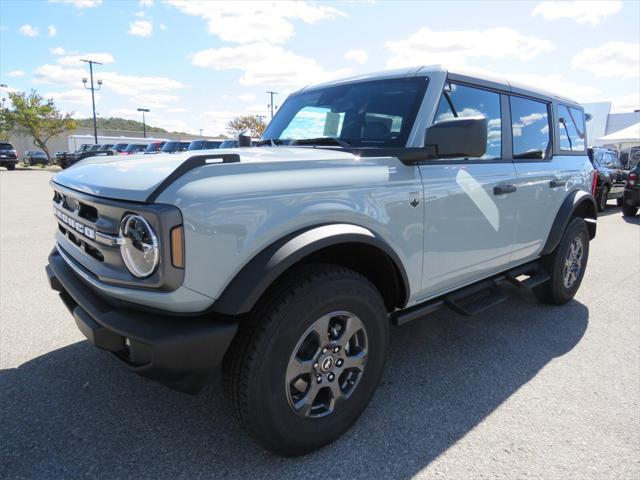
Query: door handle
502, 189
557, 183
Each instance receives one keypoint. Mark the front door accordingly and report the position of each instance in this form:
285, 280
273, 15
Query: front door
470, 217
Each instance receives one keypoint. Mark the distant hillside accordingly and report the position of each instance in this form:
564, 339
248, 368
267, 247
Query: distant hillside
115, 123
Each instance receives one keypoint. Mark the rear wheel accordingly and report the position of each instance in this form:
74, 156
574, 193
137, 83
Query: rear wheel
628, 210
602, 199
11, 166
306, 363
566, 265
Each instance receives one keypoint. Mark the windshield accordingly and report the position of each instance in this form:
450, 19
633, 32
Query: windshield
365, 114
93, 148
120, 147
154, 147
204, 144
175, 146
134, 147
229, 144
6, 146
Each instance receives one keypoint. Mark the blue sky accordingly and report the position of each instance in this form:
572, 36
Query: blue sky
198, 64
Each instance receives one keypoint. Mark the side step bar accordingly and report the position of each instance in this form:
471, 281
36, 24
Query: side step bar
477, 297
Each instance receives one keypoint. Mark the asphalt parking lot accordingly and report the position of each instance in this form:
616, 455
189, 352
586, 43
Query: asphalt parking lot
524, 390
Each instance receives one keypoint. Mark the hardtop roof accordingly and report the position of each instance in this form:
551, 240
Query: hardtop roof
488, 79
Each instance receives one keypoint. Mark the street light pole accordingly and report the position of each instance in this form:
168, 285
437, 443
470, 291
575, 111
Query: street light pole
271, 94
5, 86
144, 124
93, 99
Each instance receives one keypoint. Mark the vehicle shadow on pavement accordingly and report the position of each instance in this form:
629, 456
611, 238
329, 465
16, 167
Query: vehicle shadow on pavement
75, 412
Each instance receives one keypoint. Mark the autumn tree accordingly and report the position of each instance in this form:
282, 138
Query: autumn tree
253, 124
38, 118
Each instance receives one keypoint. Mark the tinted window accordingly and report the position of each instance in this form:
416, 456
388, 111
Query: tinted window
459, 101
365, 114
134, 147
229, 144
6, 146
571, 125
530, 128
154, 147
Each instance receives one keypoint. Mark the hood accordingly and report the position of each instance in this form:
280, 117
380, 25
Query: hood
135, 177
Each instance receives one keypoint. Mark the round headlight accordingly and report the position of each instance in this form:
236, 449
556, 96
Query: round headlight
140, 249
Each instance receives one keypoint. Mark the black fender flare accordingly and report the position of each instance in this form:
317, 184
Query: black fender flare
578, 203
253, 280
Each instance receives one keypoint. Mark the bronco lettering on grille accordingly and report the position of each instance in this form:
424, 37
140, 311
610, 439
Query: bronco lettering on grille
74, 224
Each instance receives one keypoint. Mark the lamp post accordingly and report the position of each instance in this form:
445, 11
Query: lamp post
271, 94
93, 90
144, 124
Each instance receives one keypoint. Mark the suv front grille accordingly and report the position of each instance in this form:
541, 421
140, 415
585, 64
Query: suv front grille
88, 231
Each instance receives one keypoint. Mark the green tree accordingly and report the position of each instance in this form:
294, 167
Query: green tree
254, 125
37, 117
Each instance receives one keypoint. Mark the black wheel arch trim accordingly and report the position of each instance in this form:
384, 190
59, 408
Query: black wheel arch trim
579, 203
253, 280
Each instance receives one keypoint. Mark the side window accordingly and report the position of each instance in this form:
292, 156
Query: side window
463, 101
571, 126
530, 128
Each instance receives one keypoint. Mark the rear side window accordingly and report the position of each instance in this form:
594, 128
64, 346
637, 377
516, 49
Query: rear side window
530, 129
460, 101
571, 126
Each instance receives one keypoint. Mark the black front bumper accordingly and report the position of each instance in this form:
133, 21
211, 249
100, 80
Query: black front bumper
176, 351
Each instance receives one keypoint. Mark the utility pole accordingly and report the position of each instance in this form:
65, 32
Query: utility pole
144, 124
93, 90
271, 94
200, 131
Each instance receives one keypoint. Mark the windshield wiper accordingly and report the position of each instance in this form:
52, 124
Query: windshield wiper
322, 141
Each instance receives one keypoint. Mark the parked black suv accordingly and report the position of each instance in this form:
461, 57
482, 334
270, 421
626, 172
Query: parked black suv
631, 199
611, 177
93, 151
8, 156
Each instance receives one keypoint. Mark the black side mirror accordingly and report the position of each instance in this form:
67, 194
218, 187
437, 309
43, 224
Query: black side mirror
244, 139
458, 137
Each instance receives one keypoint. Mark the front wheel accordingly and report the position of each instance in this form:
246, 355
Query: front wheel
306, 363
11, 166
566, 265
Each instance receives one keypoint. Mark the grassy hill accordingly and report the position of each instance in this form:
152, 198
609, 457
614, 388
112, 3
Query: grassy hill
115, 123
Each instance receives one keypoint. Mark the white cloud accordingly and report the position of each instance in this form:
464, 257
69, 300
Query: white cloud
217, 121
51, 30
247, 97
177, 110
162, 27
79, 3
113, 81
140, 28
455, 48
254, 21
264, 64
358, 56
626, 103
57, 51
155, 100
555, 83
16, 73
28, 31
612, 59
104, 58
146, 3
592, 12
79, 96
139, 14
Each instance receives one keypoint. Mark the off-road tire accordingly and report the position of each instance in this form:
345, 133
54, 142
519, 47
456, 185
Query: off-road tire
254, 367
554, 290
11, 166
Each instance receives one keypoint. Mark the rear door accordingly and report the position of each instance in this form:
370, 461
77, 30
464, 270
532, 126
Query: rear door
469, 215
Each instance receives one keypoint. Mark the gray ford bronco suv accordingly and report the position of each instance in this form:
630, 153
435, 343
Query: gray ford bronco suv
368, 202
